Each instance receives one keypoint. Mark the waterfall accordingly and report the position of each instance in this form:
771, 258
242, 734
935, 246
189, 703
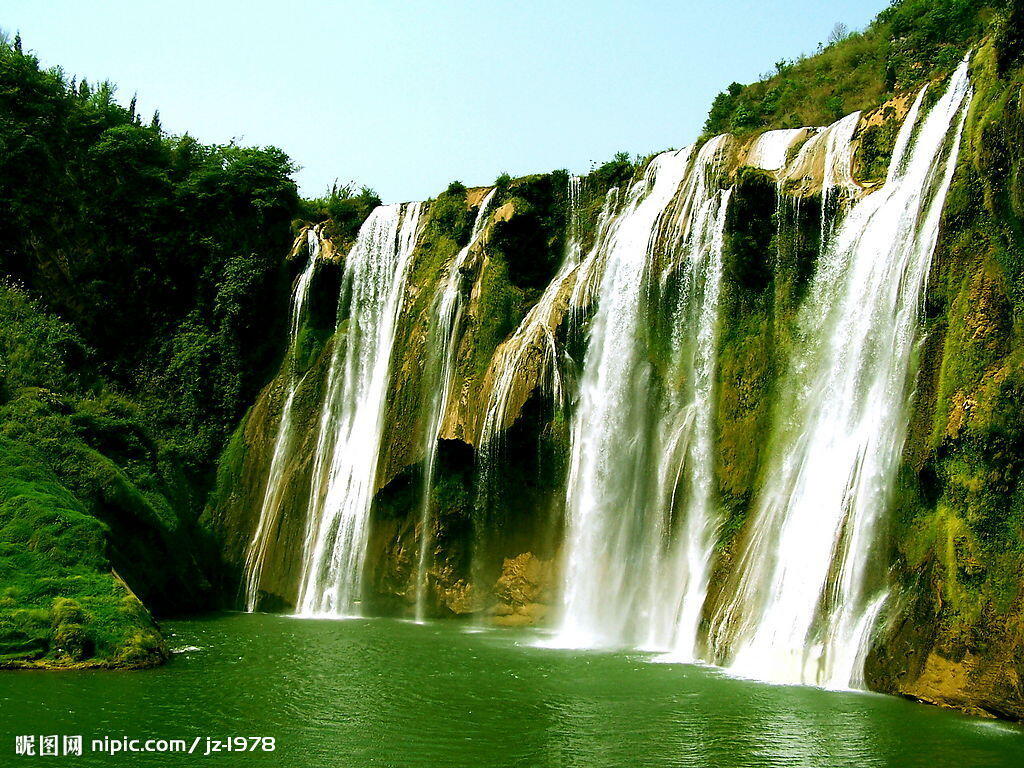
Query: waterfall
805, 603
444, 337
769, 150
826, 157
574, 188
630, 572
273, 495
352, 419
587, 277
686, 427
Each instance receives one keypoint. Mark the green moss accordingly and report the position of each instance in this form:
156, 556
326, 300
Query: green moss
230, 468
86, 486
308, 346
60, 603
498, 315
748, 351
958, 523
875, 148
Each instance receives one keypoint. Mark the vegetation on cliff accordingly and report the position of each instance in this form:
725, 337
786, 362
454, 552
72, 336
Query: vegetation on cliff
908, 43
958, 531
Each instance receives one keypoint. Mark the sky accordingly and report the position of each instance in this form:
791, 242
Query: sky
406, 96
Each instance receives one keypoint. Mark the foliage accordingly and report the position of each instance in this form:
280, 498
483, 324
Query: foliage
156, 249
908, 43
100, 447
37, 349
344, 209
450, 215
614, 173
532, 240
142, 302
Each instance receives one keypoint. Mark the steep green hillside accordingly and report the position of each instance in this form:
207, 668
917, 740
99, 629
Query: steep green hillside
141, 306
959, 524
909, 43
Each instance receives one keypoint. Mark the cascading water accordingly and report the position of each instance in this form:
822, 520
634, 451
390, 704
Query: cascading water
273, 495
769, 150
444, 338
602, 487
686, 427
572, 246
530, 356
587, 276
826, 157
804, 604
534, 335
351, 423
628, 576
640, 499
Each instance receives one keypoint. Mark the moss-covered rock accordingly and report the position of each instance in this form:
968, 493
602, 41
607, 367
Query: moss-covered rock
956, 636
61, 605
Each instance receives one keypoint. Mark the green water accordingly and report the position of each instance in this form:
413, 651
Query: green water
389, 693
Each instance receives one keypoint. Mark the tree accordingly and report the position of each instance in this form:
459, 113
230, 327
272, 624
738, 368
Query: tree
839, 33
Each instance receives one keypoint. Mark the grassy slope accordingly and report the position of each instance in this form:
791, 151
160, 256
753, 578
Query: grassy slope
907, 44
60, 500
60, 603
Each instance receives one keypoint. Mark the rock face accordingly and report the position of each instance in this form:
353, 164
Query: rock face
524, 591
957, 530
239, 497
952, 632
498, 290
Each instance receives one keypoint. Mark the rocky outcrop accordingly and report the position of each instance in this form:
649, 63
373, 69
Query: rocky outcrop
524, 591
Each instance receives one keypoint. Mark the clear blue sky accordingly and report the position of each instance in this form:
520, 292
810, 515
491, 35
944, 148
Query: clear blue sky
406, 96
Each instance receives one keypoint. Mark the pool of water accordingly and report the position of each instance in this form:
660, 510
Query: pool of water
382, 692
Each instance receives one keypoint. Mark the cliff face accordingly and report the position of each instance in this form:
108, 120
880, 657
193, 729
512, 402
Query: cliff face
954, 537
957, 531
952, 632
505, 269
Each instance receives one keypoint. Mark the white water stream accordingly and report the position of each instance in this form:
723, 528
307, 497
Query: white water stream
805, 605
273, 495
636, 556
352, 420
443, 344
